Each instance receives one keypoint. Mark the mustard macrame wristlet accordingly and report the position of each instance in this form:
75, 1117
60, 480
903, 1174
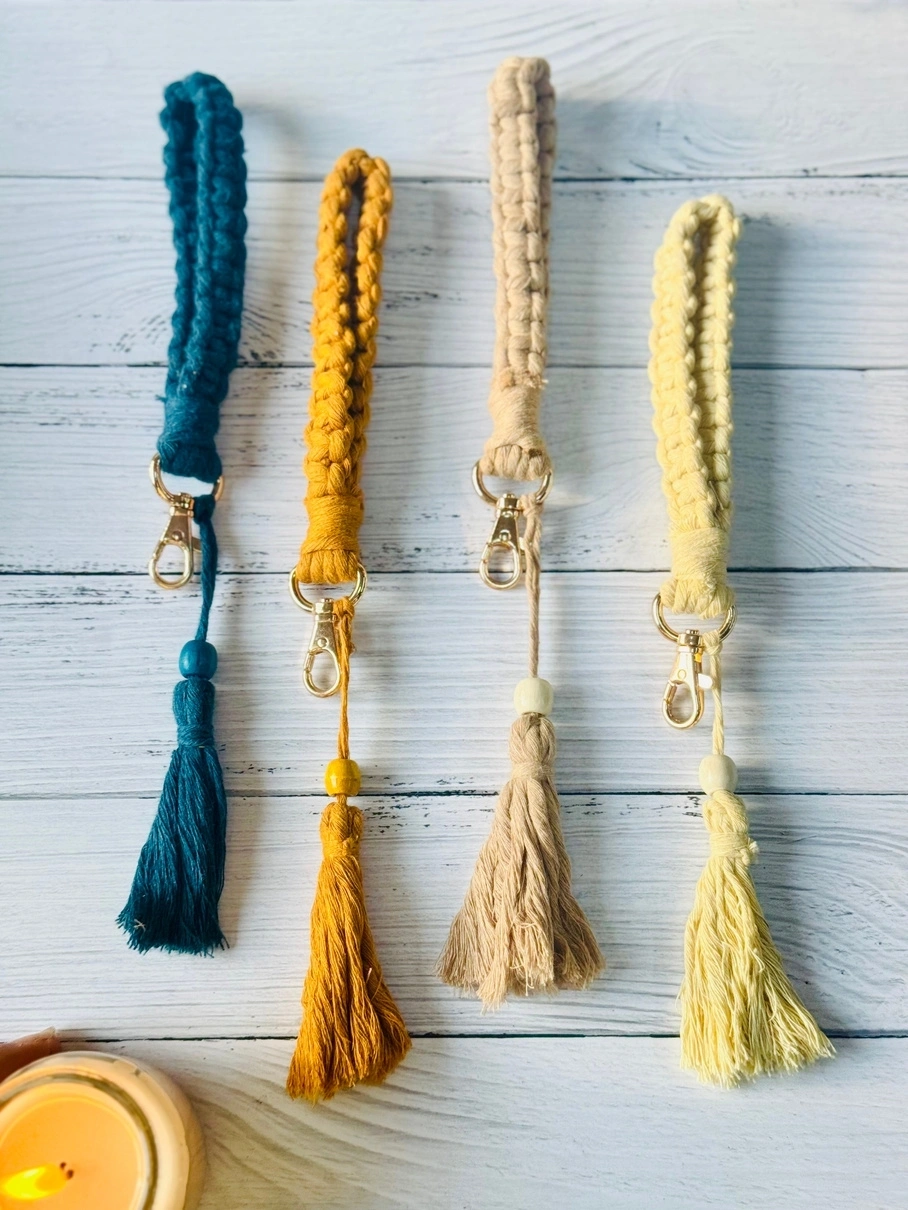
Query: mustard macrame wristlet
351, 1030
740, 1015
520, 928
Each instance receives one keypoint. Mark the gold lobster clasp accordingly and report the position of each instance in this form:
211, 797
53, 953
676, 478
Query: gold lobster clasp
323, 640
505, 536
505, 533
178, 532
687, 671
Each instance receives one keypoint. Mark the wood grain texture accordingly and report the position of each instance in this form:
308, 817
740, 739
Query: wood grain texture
822, 272
830, 878
581, 1123
811, 704
661, 89
819, 470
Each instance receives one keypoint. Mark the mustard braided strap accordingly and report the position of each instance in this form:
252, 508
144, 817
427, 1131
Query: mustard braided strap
344, 327
522, 103
690, 372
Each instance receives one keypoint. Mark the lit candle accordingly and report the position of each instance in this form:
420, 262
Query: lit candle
89, 1131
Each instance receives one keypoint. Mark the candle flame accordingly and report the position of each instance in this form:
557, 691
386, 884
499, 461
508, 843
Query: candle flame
32, 1184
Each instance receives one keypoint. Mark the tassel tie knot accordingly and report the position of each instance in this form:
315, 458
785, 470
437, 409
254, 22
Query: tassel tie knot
341, 830
516, 449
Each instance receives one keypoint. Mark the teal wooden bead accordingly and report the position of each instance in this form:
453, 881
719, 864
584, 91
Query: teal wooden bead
199, 658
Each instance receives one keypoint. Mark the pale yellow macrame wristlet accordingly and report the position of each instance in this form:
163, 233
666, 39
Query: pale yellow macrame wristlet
352, 1030
520, 928
740, 1015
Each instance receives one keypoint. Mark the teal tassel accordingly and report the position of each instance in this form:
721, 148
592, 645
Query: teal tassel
178, 881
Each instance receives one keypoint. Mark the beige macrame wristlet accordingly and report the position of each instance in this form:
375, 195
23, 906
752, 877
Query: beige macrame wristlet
520, 928
740, 1015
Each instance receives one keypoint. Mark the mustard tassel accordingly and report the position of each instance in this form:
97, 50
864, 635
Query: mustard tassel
352, 1031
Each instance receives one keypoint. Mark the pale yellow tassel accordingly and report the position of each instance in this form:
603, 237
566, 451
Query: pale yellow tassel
740, 1015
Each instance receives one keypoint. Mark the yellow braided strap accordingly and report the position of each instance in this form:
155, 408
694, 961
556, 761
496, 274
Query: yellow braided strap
344, 327
690, 372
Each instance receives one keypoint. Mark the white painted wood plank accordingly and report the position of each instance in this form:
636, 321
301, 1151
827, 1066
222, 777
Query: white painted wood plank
809, 494
831, 879
822, 272
582, 1123
644, 90
815, 678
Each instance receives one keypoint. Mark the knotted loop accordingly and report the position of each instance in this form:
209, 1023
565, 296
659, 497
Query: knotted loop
206, 176
344, 328
522, 108
690, 372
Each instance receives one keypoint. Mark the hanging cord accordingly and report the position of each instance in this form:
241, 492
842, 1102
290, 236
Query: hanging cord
520, 929
178, 881
352, 1031
740, 1015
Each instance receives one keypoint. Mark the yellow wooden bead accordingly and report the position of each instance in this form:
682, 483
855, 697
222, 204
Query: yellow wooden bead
342, 777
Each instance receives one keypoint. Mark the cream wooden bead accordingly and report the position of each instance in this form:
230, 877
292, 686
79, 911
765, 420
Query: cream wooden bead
533, 695
718, 773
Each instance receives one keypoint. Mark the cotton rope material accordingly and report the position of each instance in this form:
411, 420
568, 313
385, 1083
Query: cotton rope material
741, 1017
351, 1030
173, 903
520, 928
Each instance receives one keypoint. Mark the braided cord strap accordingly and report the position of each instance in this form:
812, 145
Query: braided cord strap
173, 903
520, 929
206, 176
690, 371
740, 1015
352, 1031
344, 328
522, 105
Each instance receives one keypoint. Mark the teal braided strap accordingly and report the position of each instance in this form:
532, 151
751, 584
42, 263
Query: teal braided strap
179, 877
206, 176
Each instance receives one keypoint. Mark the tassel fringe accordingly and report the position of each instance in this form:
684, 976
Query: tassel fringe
352, 1031
741, 1017
173, 903
520, 928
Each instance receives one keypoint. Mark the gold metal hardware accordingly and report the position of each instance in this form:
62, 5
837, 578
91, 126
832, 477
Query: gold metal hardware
505, 536
323, 640
178, 532
687, 671
506, 532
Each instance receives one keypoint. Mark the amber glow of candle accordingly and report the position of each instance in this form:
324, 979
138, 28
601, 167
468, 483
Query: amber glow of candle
34, 1184
90, 1131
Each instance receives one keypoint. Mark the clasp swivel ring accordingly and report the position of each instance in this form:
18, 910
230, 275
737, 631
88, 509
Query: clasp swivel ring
178, 532
505, 532
687, 670
323, 640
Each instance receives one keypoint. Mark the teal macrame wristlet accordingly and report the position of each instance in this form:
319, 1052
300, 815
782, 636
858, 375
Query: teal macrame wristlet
173, 904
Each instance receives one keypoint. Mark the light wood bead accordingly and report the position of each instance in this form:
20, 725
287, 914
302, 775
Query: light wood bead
718, 773
533, 695
342, 776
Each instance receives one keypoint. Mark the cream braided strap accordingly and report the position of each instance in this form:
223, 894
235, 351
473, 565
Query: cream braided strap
740, 1015
690, 372
522, 104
